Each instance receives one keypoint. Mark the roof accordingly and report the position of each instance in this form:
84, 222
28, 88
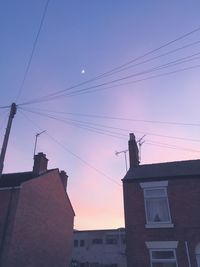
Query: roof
164, 170
16, 179
100, 230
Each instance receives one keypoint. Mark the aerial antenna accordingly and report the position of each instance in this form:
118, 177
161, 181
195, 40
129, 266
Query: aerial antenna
140, 143
123, 151
36, 137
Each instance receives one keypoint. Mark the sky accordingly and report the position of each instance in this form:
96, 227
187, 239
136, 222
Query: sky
88, 73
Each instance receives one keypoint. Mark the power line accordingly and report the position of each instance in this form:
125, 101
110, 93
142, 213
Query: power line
98, 87
157, 49
33, 49
113, 118
4, 120
153, 58
85, 126
3, 107
76, 156
53, 95
92, 126
94, 168
87, 90
83, 161
165, 145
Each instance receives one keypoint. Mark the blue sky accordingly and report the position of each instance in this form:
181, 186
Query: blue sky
97, 36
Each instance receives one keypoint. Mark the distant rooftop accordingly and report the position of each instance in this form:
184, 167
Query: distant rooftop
100, 230
166, 169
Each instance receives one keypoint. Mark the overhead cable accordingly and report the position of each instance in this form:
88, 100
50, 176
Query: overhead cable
52, 95
33, 50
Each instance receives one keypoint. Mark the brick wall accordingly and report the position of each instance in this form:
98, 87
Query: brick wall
184, 202
9, 201
43, 229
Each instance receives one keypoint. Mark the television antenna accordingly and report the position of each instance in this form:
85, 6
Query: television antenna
36, 137
140, 143
120, 152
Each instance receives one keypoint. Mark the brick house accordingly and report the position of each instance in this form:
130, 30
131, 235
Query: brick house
162, 212
99, 248
36, 218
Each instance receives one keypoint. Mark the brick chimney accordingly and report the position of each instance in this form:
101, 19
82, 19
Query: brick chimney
133, 151
40, 164
64, 178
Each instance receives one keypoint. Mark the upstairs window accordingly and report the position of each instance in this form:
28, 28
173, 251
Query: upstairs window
156, 204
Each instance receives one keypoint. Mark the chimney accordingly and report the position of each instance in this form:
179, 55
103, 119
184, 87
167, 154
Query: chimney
64, 178
40, 164
133, 152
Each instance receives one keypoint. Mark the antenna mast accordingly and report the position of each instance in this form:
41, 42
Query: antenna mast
140, 143
124, 151
36, 137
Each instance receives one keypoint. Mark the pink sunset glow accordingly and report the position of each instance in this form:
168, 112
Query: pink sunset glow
88, 117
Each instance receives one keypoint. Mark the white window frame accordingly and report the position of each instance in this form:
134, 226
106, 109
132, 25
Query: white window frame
174, 260
162, 246
156, 185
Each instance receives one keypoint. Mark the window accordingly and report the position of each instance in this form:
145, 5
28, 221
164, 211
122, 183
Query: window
111, 241
82, 243
162, 253
97, 241
75, 243
123, 240
156, 203
163, 258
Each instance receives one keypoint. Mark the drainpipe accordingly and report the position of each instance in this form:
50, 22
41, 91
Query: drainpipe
6, 224
188, 255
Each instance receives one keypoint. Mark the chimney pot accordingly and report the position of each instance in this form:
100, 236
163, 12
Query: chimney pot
40, 164
64, 178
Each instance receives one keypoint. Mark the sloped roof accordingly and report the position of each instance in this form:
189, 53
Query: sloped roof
162, 170
16, 179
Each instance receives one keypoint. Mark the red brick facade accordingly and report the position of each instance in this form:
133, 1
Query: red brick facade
40, 231
183, 192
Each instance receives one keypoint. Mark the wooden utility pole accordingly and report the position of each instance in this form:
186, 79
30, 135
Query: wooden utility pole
13, 111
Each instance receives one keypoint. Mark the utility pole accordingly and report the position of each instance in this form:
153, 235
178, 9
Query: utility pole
13, 111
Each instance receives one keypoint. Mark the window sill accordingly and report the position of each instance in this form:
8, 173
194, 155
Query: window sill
159, 225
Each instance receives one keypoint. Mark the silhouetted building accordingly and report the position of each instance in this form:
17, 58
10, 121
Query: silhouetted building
162, 212
36, 218
99, 248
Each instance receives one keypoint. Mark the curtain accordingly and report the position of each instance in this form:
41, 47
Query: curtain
157, 209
